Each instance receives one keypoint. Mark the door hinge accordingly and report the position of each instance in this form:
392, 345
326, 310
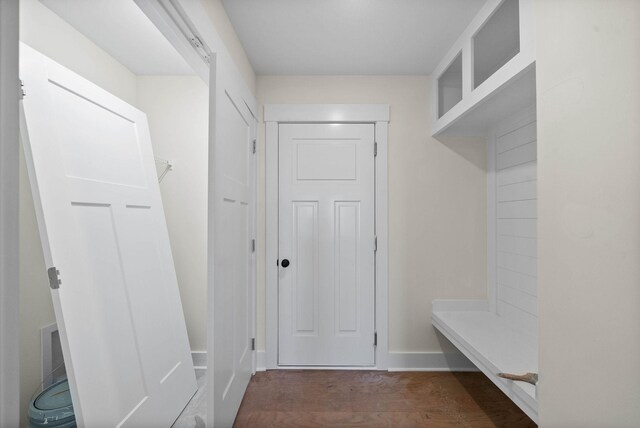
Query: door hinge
375, 339
254, 146
253, 344
375, 149
23, 93
54, 278
253, 245
375, 244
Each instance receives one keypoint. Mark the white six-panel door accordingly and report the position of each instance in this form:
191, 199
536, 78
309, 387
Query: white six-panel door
326, 245
103, 228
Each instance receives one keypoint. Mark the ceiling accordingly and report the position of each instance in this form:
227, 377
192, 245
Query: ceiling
374, 37
120, 28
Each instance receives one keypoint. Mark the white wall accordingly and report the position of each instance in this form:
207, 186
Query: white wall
225, 30
437, 201
177, 108
9, 220
588, 89
46, 32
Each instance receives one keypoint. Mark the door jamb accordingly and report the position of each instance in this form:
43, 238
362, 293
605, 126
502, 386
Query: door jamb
376, 114
9, 187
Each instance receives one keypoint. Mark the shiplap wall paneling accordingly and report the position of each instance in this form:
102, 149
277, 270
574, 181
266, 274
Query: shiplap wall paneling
516, 218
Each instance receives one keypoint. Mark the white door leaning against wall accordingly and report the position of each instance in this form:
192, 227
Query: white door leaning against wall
106, 245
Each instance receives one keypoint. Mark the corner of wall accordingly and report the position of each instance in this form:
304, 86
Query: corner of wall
222, 24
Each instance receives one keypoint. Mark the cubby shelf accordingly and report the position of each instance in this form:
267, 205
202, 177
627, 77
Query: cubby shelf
497, 55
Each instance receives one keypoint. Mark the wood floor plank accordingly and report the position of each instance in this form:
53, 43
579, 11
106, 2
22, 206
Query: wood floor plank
338, 398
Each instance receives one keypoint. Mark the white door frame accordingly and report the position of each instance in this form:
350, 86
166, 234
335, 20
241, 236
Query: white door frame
9, 161
377, 114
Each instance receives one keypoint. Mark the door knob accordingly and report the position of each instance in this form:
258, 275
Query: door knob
285, 263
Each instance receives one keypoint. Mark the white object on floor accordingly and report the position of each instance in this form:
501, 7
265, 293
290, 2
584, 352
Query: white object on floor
106, 244
194, 414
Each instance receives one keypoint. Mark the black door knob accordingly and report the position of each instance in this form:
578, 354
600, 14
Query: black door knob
285, 263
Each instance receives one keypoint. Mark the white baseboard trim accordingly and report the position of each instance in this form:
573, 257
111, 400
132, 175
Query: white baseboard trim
261, 363
412, 362
429, 362
199, 359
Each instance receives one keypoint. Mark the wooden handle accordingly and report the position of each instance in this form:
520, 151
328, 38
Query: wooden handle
531, 378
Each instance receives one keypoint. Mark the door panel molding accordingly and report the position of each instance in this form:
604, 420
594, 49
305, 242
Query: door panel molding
377, 114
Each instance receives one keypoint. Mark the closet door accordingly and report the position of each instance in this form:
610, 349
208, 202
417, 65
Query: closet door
231, 233
106, 245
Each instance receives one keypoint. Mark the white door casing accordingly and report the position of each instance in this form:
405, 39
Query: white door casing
274, 116
326, 245
103, 228
231, 232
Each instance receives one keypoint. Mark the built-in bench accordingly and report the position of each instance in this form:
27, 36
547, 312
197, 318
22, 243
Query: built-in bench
492, 344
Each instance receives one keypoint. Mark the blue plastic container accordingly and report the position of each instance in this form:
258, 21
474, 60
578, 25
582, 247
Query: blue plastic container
52, 408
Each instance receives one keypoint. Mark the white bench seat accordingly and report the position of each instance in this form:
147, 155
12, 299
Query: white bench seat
493, 345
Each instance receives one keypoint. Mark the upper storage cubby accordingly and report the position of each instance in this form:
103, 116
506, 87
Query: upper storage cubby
489, 72
450, 86
496, 42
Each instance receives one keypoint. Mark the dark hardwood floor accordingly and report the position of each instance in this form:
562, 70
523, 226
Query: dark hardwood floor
324, 398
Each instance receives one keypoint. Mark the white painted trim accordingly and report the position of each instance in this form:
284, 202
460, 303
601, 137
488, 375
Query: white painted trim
405, 362
271, 244
253, 323
199, 359
349, 368
47, 354
261, 365
9, 161
382, 233
492, 228
335, 113
446, 305
429, 362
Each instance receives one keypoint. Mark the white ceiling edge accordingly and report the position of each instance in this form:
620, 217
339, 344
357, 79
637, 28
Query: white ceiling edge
122, 30
348, 37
